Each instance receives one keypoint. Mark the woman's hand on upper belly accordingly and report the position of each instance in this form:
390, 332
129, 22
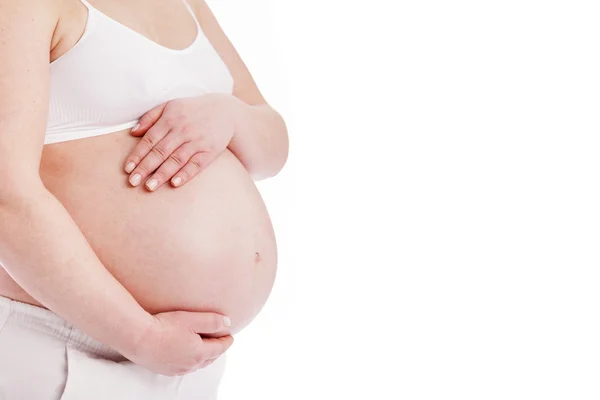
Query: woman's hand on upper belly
179, 139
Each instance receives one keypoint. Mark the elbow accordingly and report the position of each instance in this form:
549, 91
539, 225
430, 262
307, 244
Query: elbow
23, 189
259, 173
282, 150
276, 160
281, 155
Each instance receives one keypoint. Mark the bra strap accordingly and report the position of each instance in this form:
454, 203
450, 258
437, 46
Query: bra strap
191, 12
88, 5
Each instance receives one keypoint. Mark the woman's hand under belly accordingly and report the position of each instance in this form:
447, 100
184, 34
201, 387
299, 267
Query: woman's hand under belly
206, 246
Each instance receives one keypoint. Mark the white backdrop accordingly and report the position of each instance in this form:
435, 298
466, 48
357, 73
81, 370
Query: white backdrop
438, 220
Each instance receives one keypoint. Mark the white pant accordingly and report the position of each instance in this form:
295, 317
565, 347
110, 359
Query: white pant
43, 357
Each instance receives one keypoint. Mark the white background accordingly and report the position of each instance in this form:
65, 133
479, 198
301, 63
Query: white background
439, 217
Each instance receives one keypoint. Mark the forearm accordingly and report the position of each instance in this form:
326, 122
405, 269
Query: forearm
44, 251
260, 140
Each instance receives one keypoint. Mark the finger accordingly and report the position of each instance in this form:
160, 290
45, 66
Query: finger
171, 166
145, 145
155, 157
197, 163
148, 120
205, 322
213, 348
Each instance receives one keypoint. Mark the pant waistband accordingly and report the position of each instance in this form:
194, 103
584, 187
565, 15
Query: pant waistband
47, 322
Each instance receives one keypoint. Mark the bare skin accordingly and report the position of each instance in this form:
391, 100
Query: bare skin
207, 246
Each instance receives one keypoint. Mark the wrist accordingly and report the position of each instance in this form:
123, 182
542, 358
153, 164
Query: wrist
235, 110
136, 335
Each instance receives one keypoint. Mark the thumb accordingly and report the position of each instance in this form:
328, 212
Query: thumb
205, 322
148, 120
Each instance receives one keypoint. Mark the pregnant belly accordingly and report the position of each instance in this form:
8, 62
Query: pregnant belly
208, 245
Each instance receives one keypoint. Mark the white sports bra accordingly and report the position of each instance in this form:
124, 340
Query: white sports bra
113, 75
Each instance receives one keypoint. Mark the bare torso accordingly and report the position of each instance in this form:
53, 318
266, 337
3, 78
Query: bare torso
208, 245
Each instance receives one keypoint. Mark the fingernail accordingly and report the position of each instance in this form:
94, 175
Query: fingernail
177, 181
135, 128
152, 184
135, 180
227, 321
130, 167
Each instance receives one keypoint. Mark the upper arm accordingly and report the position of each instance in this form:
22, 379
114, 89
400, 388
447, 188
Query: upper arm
26, 29
244, 86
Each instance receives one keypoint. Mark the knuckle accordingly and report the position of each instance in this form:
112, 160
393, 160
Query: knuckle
184, 174
158, 176
142, 169
196, 161
148, 141
178, 159
160, 152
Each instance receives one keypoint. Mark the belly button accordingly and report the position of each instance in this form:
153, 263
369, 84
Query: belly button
257, 257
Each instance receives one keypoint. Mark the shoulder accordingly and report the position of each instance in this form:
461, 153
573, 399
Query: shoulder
201, 9
37, 11
26, 31
28, 20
